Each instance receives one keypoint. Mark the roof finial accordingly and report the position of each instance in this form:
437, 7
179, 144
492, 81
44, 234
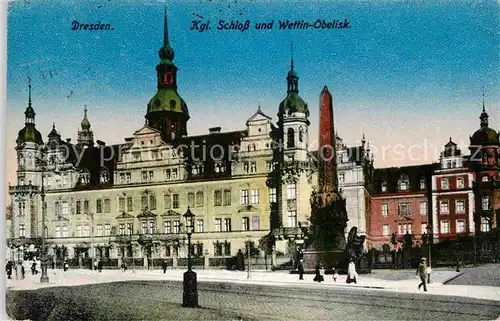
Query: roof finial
29, 90
259, 110
54, 125
165, 30
483, 101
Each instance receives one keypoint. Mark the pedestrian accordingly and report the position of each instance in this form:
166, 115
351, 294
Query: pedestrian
300, 268
65, 266
352, 275
428, 270
123, 266
164, 266
53, 264
33, 268
22, 269
8, 269
458, 265
421, 272
335, 274
99, 265
320, 272
95, 265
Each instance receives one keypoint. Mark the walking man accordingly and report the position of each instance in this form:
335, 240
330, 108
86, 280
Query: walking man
422, 273
164, 267
300, 268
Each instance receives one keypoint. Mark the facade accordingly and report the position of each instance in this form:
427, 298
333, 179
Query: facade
400, 204
452, 195
127, 200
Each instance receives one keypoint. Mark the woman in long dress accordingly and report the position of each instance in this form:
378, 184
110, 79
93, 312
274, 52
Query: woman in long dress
352, 275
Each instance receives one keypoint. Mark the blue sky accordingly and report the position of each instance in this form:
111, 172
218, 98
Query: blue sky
403, 73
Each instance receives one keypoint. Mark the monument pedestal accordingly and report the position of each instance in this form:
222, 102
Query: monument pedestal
330, 259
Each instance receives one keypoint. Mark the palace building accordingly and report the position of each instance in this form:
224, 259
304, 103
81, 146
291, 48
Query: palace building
127, 200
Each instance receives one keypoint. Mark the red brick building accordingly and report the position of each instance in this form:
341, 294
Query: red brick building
399, 204
453, 200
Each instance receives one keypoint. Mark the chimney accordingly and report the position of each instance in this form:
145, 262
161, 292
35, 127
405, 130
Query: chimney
214, 130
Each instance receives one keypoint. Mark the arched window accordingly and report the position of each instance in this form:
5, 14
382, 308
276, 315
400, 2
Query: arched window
301, 134
290, 138
383, 186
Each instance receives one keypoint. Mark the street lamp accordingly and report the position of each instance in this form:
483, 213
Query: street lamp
190, 295
248, 256
44, 278
429, 244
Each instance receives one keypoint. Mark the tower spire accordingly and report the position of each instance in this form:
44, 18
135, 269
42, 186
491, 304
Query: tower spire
291, 55
165, 30
29, 91
484, 110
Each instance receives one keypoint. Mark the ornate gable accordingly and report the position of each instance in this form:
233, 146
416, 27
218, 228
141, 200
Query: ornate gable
124, 215
171, 213
247, 208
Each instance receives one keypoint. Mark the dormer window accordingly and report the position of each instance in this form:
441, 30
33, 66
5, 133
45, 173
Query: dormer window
301, 134
104, 177
484, 179
383, 187
403, 183
290, 138
422, 183
85, 177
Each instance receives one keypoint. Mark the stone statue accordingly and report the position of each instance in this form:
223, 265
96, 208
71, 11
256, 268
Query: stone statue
355, 244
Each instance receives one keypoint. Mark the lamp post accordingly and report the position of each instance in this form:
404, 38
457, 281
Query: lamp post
429, 244
248, 256
190, 294
92, 249
44, 278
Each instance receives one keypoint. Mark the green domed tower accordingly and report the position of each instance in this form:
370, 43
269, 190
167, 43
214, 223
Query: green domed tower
167, 111
29, 133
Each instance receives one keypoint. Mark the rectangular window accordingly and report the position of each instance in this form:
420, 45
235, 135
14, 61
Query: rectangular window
227, 225
144, 202
218, 198
245, 224
461, 226
199, 199
167, 174
486, 202
167, 201
404, 209
78, 230
460, 206
78, 207
177, 226
121, 204
107, 229
218, 224
218, 249
130, 228
190, 199
174, 173
144, 227
245, 167
167, 228
129, 178
152, 227
122, 178
386, 230
130, 204
100, 230
400, 229
244, 196
410, 230
460, 182
122, 229
107, 205
269, 166
291, 192
255, 223
151, 176
58, 231
86, 207
272, 195
385, 210
86, 230
423, 228
57, 208
227, 197
444, 207
255, 196
22, 230
98, 206
227, 248
341, 178
423, 208
445, 227
152, 202
292, 218
175, 201
253, 167
144, 176
444, 183
199, 225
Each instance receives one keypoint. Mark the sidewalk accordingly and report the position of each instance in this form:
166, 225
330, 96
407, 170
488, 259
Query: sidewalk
370, 282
